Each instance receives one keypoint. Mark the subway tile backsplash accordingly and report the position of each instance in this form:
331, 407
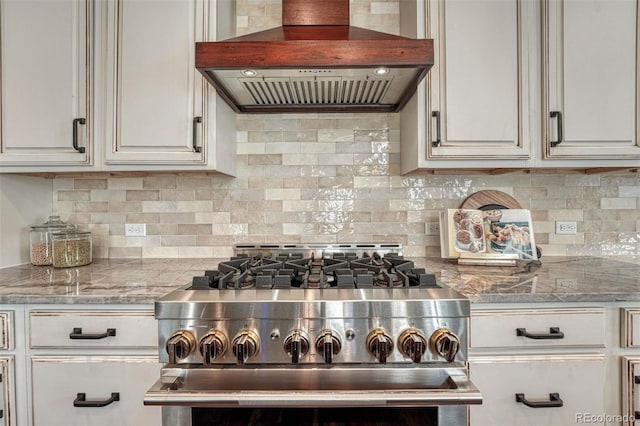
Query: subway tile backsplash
326, 178
345, 190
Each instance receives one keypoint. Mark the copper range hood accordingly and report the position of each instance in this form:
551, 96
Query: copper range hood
315, 62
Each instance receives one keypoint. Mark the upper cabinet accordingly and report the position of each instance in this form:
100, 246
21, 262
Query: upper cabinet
476, 103
159, 109
46, 58
591, 67
477, 99
513, 78
112, 86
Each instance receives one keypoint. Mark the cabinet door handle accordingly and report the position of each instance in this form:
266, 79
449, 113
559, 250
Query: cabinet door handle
436, 115
196, 120
558, 115
77, 334
554, 333
554, 401
81, 400
77, 121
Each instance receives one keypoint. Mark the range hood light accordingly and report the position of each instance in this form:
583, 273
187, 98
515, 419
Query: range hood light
381, 71
249, 73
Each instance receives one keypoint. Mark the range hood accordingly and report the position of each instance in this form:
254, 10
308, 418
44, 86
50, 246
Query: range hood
315, 62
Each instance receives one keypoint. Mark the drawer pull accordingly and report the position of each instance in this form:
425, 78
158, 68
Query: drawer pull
81, 400
77, 334
554, 401
554, 333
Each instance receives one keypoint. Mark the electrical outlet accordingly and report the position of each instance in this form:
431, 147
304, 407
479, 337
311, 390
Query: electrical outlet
566, 283
432, 228
135, 230
568, 227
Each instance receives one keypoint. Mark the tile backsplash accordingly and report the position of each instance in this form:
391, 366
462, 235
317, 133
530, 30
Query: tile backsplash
333, 178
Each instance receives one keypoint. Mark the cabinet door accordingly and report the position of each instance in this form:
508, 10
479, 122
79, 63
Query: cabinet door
591, 79
630, 390
7, 392
157, 104
479, 86
577, 380
59, 384
46, 58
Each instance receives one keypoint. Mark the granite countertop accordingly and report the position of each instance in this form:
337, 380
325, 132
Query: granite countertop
136, 281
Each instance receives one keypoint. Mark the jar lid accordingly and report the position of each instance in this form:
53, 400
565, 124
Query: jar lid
53, 223
70, 233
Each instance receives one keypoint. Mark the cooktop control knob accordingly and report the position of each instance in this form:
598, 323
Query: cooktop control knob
180, 345
328, 345
379, 344
412, 344
245, 345
296, 345
212, 346
444, 343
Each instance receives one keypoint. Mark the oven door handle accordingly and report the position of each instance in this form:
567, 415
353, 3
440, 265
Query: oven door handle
175, 392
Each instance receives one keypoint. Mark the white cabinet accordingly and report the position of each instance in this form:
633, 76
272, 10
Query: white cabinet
7, 393
630, 381
537, 366
111, 86
160, 111
592, 71
46, 57
92, 366
93, 390
630, 390
476, 102
511, 78
7, 377
537, 389
479, 84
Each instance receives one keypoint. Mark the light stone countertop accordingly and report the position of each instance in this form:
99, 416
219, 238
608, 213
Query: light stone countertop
135, 281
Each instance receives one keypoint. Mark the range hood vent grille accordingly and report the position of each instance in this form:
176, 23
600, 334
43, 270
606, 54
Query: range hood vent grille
322, 91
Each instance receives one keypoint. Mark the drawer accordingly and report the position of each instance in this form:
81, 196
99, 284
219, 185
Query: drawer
57, 381
578, 381
630, 327
93, 329
6, 321
520, 328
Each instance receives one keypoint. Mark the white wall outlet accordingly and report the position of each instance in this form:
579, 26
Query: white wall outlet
568, 227
566, 283
432, 228
135, 230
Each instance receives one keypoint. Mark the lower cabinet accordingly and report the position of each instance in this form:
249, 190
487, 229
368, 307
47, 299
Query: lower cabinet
93, 390
631, 390
90, 365
537, 389
538, 365
7, 393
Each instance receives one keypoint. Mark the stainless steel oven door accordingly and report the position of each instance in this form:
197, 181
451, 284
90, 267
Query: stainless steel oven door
288, 387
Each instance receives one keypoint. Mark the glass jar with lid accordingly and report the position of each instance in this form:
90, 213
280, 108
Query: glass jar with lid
71, 248
40, 239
